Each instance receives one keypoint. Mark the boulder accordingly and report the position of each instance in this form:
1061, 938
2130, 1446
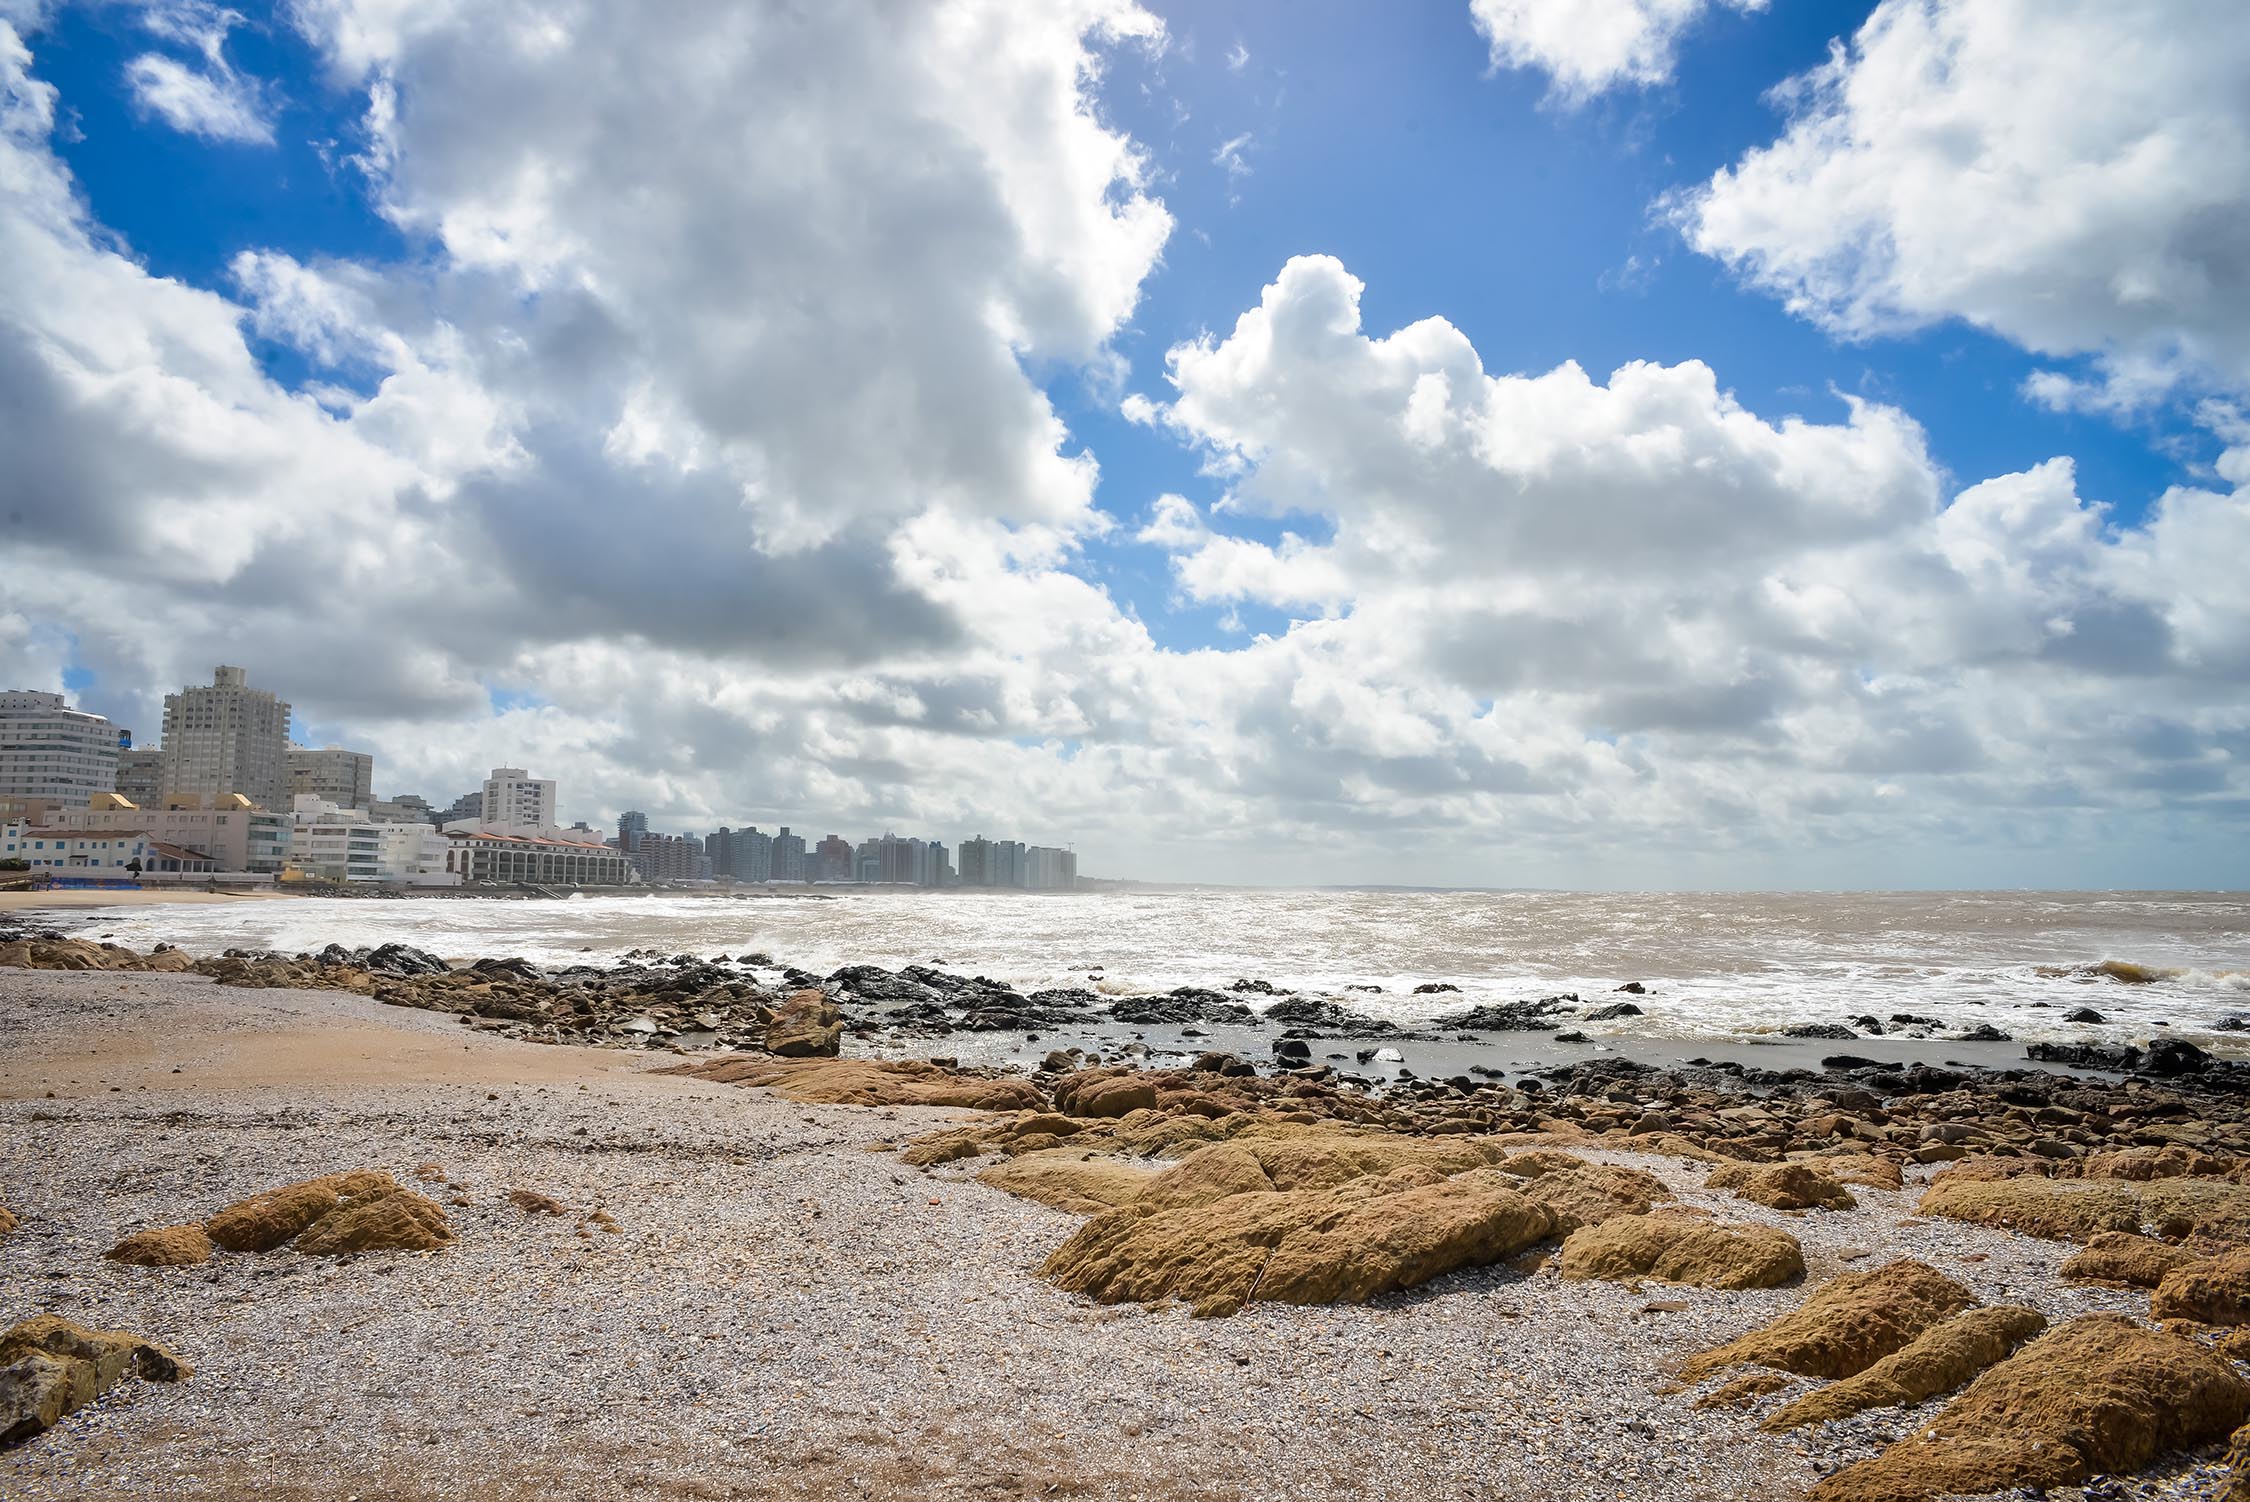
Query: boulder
2126, 1258
2099, 1394
1071, 1180
1846, 1325
807, 1025
163, 1246
1937, 1361
2078, 1209
49, 1366
1586, 1194
1368, 1236
278, 1216
1103, 1092
2214, 1291
1782, 1186
1678, 1249
400, 1222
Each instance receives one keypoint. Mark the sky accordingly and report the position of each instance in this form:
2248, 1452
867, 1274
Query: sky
1610, 443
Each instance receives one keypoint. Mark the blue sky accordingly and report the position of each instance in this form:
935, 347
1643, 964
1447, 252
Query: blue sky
1543, 225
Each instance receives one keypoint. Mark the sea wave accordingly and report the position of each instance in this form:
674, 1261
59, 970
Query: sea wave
2133, 973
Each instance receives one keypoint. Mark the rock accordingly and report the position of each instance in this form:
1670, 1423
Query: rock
2084, 1014
1745, 1390
1058, 1061
278, 1216
2214, 1291
1068, 1179
1634, 988
1586, 1194
1614, 1010
1292, 1051
8, 1221
1836, 1031
807, 1025
2124, 1257
1509, 1017
1103, 1092
2174, 1056
1983, 1032
866, 1082
49, 1366
2099, 1394
2077, 1209
1368, 1236
2122, 1058
1937, 1361
1782, 1186
401, 1222
1435, 988
163, 1246
1677, 1249
1846, 1325
532, 1202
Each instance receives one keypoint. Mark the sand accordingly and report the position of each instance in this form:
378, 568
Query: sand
31, 902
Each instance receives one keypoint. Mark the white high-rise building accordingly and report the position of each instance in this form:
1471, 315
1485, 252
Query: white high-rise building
347, 844
344, 778
513, 797
227, 737
49, 750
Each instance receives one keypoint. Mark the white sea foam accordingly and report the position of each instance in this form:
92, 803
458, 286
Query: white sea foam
1715, 965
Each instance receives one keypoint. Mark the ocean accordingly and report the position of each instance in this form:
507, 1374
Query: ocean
1714, 965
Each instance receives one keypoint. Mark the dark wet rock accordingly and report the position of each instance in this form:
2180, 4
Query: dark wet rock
2122, 1057
1633, 988
1868, 1025
1908, 1019
403, 959
1327, 1018
1258, 988
1573, 1036
1983, 1032
1830, 1031
1187, 1004
1376, 990
1510, 1016
2173, 1056
1435, 988
2084, 1014
1288, 1051
1614, 1010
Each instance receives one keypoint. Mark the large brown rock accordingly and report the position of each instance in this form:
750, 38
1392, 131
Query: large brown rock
1070, 1180
163, 1246
1346, 1244
807, 1025
2099, 1394
399, 1222
1938, 1360
2078, 1209
1677, 1249
1587, 1194
2215, 1291
49, 1366
1846, 1325
1782, 1186
1104, 1092
2127, 1258
278, 1216
870, 1082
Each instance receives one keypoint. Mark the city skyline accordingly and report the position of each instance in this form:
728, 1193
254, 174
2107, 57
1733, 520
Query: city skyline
1743, 445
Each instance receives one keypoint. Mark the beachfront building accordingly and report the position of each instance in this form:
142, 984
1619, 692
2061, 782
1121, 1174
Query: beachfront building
832, 859
515, 798
229, 829
50, 750
1048, 869
110, 852
668, 857
344, 778
140, 777
350, 844
226, 737
502, 855
744, 854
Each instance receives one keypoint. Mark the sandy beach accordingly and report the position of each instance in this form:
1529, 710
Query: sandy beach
35, 902
786, 1309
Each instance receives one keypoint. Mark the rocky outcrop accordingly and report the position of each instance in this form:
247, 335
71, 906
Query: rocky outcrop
400, 1222
2099, 1394
2215, 1291
1846, 1325
1072, 1181
1103, 1092
278, 1216
807, 1025
1680, 1249
50, 1366
869, 1082
2127, 1259
1367, 1236
1937, 1361
163, 1246
1587, 1194
1782, 1186
2078, 1209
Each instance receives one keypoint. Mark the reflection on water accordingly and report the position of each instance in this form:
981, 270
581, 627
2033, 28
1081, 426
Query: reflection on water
1716, 964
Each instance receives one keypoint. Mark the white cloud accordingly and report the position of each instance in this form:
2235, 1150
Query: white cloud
1238, 58
1587, 47
209, 98
2072, 175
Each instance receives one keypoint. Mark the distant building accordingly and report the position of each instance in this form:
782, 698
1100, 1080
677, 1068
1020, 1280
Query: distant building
332, 774
788, 856
937, 868
229, 829
140, 776
226, 737
976, 862
499, 856
407, 808
49, 750
350, 844
832, 859
668, 857
631, 825
515, 798
1047, 869
469, 807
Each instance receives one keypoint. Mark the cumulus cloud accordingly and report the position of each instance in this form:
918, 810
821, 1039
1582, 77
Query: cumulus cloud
2066, 175
1587, 47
